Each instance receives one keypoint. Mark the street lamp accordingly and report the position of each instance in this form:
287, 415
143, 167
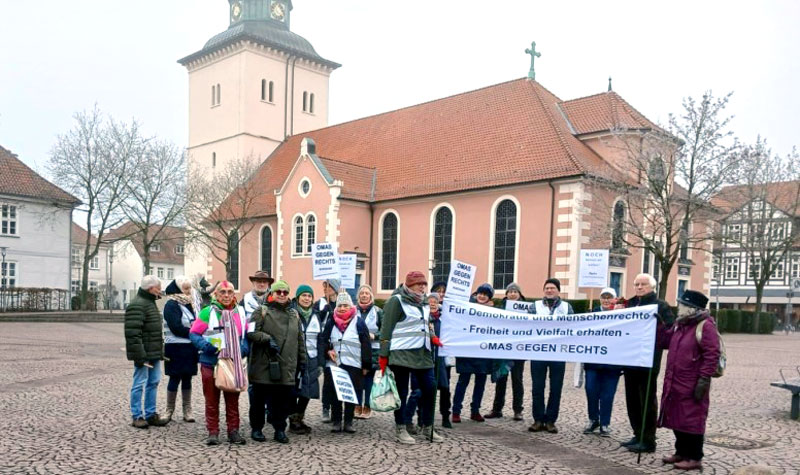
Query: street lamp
3, 250
109, 287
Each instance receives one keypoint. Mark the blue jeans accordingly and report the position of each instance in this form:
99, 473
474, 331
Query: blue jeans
366, 383
539, 370
145, 380
461, 391
601, 386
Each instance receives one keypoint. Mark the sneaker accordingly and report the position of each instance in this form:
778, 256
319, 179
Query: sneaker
551, 428
605, 431
212, 439
518, 416
411, 429
456, 418
337, 428
349, 428
235, 438
402, 436
140, 423
477, 417
326, 415
591, 427
536, 427
431, 435
258, 436
494, 415
156, 421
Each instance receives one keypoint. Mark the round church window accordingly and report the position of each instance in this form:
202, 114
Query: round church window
305, 187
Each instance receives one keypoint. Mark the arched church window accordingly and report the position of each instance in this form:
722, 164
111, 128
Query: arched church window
233, 259
298, 235
442, 243
505, 242
311, 104
311, 232
266, 249
389, 252
618, 226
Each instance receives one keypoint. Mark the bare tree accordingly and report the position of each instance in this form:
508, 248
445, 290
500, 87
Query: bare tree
666, 180
759, 214
156, 195
219, 207
92, 161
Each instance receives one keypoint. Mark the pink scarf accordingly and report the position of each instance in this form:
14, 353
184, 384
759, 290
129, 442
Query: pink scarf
232, 349
343, 319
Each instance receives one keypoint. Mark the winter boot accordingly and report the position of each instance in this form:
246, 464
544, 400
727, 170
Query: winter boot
411, 429
186, 397
171, 397
402, 435
426, 432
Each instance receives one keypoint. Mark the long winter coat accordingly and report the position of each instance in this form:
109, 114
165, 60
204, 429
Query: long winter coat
279, 323
687, 362
664, 321
144, 333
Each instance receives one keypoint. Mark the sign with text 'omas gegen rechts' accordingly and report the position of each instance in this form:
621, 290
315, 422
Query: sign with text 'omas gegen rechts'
619, 337
460, 280
324, 260
593, 268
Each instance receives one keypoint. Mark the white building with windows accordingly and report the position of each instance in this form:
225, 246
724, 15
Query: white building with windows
127, 260
35, 223
99, 267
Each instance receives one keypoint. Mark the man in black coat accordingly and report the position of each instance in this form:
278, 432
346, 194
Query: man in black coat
638, 379
144, 345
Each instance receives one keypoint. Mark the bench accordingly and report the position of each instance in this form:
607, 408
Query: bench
792, 385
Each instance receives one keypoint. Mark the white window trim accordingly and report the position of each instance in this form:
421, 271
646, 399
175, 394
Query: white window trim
306, 252
432, 234
300, 187
182, 251
8, 275
92, 265
16, 219
678, 287
492, 224
379, 260
294, 253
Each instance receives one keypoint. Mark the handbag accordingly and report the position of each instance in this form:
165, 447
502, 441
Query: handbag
224, 377
384, 396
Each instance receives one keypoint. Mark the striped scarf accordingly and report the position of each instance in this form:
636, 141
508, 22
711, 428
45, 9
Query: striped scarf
232, 349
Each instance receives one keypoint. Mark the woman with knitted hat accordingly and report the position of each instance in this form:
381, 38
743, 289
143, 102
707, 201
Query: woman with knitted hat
466, 367
346, 344
180, 354
372, 316
309, 384
221, 317
406, 342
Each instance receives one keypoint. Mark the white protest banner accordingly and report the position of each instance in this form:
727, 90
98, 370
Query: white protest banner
345, 391
620, 337
324, 260
460, 280
347, 270
518, 306
593, 269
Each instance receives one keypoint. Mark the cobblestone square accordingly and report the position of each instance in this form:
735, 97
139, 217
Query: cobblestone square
64, 409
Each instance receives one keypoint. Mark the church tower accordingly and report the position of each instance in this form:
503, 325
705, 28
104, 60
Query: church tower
253, 85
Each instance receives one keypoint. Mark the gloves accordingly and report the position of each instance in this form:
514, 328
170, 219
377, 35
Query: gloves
701, 389
437, 342
383, 362
274, 349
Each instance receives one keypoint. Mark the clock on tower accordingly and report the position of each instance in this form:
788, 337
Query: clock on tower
276, 12
236, 11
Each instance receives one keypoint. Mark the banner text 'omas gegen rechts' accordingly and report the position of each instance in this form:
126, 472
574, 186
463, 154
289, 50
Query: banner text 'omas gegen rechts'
620, 337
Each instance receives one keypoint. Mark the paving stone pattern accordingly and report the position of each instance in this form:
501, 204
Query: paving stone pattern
64, 392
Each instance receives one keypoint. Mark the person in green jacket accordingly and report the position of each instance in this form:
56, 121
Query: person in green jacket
144, 345
406, 341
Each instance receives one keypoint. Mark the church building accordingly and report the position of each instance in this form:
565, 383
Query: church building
495, 177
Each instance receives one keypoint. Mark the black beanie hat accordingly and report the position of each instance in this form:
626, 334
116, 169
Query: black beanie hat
554, 281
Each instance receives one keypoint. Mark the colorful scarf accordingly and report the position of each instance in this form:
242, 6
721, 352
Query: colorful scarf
232, 349
342, 319
415, 297
182, 299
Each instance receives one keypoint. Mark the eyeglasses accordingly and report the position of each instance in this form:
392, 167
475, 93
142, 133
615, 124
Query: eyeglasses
281, 292
225, 292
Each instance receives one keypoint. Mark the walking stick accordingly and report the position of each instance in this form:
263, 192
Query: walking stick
435, 386
644, 412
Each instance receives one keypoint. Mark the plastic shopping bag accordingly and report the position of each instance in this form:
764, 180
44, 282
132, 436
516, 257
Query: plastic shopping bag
384, 396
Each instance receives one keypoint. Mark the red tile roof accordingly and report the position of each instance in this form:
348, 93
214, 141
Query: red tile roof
170, 237
509, 133
604, 111
20, 180
782, 195
79, 235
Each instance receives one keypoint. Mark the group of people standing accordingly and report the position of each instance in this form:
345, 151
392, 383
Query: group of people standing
289, 342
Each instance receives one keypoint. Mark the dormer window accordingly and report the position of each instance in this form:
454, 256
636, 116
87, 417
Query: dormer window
155, 248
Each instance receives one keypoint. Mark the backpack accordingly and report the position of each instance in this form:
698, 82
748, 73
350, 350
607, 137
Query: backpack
723, 360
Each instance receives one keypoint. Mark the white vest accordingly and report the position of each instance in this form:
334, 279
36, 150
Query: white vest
412, 332
371, 319
347, 345
250, 304
312, 332
542, 309
187, 317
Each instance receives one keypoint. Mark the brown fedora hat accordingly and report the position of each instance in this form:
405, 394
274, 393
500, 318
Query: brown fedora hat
262, 275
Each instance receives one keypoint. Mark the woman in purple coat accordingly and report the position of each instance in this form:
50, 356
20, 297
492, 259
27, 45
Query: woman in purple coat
691, 363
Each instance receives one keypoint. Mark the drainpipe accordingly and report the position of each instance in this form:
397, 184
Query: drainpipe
371, 235
291, 127
552, 231
286, 98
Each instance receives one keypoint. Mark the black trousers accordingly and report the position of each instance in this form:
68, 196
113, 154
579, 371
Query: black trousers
517, 389
326, 399
336, 405
637, 396
689, 446
445, 397
279, 401
300, 406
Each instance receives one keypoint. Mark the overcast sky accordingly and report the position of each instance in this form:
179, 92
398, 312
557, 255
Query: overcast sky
58, 57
